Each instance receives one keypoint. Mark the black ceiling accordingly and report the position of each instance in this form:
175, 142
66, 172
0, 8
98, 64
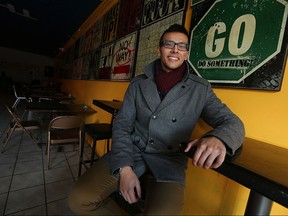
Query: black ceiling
41, 26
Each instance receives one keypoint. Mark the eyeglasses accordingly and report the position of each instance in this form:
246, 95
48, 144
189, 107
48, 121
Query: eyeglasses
171, 44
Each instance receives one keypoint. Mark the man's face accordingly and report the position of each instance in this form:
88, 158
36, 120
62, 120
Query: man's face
173, 58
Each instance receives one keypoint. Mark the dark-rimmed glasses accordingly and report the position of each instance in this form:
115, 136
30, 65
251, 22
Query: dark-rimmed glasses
171, 44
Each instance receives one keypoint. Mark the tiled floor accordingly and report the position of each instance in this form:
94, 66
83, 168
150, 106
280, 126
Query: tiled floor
27, 187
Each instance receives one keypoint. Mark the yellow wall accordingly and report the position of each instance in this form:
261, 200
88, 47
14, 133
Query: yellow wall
264, 113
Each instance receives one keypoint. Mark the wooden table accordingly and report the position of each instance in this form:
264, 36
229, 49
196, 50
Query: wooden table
263, 168
110, 106
52, 96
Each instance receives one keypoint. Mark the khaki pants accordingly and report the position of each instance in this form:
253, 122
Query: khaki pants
91, 194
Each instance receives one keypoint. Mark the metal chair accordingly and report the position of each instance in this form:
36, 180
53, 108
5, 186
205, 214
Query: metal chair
64, 130
97, 131
19, 97
20, 125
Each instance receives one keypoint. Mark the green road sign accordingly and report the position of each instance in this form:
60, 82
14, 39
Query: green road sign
235, 38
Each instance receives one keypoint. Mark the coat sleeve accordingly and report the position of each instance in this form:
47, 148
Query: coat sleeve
226, 125
122, 145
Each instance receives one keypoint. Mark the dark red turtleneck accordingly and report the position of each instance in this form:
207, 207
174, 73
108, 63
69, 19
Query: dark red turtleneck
165, 81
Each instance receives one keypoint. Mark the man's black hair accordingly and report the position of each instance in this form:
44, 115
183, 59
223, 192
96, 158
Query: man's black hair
175, 28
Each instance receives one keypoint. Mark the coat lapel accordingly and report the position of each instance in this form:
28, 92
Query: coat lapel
150, 93
174, 94
149, 89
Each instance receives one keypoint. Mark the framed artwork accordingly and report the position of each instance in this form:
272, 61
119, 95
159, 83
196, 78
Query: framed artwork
97, 34
88, 41
76, 49
130, 18
81, 46
94, 65
106, 58
86, 66
110, 21
77, 68
154, 11
70, 54
240, 44
123, 57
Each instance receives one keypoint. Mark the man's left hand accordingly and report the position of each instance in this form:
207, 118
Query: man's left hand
210, 152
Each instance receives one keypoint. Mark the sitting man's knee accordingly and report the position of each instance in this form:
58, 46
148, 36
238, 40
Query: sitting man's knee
83, 203
92, 189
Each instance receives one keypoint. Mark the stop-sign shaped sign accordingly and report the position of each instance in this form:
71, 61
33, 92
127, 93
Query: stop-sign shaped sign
235, 38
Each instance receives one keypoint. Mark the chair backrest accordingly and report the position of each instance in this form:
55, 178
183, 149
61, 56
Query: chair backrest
66, 122
21, 93
15, 91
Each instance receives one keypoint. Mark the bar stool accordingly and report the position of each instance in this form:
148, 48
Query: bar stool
97, 131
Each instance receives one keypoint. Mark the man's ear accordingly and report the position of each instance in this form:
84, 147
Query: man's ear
158, 51
187, 55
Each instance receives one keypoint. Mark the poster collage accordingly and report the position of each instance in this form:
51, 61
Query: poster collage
232, 44
108, 50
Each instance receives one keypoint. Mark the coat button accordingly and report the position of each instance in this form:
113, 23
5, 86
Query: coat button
154, 117
170, 147
136, 139
151, 141
174, 119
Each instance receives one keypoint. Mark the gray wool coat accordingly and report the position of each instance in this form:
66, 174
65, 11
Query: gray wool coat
147, 131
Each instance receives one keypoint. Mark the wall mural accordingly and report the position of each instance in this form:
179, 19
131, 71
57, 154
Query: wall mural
149, 40
86, 66
108, 50
233, 44
110, 21
88, 41
156, 10
82, 46
129, 22
97, 34
94, 64
157, 16
106, 58
77, 68
240, 44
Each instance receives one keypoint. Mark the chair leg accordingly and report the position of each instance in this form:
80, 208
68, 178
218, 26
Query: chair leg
28, 133
48, 156
81, 152
93, 152
7, 138
41, 138
15, 103
47, 151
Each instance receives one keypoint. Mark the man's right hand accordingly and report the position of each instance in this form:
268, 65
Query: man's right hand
129, 185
